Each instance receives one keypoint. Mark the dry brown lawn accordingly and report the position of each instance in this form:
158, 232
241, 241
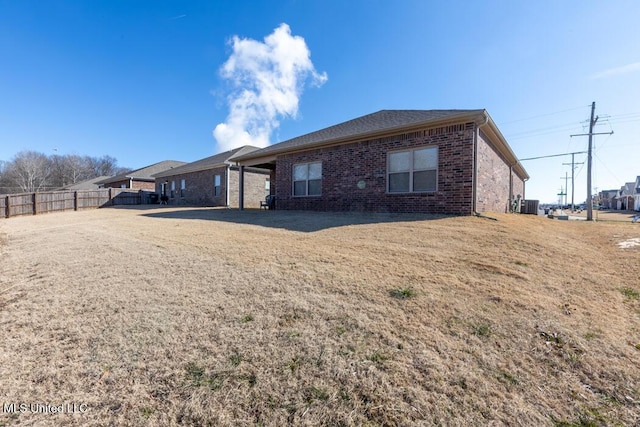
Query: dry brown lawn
219, 317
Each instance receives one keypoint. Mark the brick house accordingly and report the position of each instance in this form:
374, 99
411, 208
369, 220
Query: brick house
139, 179
213, 181
431, 161
608, 199
636, 195
625, 198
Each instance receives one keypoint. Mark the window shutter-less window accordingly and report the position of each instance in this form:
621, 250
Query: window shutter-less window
413, 170
399, 165
315, 179
307, 179
425, 163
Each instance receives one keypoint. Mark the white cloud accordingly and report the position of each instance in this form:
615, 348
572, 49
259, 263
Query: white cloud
269, 78
629, 68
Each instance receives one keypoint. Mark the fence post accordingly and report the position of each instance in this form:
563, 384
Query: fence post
35, 203
110, 197
75, 200
8, 205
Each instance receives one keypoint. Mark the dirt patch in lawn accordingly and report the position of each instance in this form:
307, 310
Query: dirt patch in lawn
218, 317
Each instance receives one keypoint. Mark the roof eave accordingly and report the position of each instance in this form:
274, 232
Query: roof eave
464, 117
492, 131
173, 172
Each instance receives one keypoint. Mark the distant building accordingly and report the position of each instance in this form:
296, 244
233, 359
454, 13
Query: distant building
90, 184
213, 181
139, 179
625, 198
607, 199
636, 195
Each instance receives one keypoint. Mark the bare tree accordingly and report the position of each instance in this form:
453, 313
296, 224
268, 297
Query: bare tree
105, 165
29, 171
78, 169
56, 178
5, 183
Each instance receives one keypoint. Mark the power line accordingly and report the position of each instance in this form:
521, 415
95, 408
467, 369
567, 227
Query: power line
544, 115
553, 155
542, 131
623, 115
605, 166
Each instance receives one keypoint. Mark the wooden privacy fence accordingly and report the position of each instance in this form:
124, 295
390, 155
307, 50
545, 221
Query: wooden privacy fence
55, 201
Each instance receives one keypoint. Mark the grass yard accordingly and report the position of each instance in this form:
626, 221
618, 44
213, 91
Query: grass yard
217, 317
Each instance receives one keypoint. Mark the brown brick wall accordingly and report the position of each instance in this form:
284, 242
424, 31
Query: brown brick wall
254, 187
343, 167
495, 179
199, 188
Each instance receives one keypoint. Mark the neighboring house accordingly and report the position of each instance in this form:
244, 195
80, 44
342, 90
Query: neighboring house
213, 181
636, 195
90, 184
607, 199
625, 199
431, 161
139, 179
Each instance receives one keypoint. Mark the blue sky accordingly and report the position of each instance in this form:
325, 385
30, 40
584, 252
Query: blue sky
142, 81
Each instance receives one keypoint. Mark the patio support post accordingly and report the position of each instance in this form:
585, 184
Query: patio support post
241, 189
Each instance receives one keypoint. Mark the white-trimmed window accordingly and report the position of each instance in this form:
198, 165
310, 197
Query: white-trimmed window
412, 171
216, 185
173, 189
307, 179
267, 187
183, 186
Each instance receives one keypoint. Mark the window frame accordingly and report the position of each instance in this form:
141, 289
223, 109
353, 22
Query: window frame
173, 189
306, 180
412, 169
183, 186
217, 189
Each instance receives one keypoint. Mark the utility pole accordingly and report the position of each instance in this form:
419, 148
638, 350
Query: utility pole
561, 193
573, 186
566, 186
592, 123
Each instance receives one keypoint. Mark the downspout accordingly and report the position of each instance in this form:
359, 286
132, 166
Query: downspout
476, 137
510, 187
241, 189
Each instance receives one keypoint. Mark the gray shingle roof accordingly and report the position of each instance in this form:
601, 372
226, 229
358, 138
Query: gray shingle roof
146, 173
90, 184
384, 120
211, 162
628, 189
